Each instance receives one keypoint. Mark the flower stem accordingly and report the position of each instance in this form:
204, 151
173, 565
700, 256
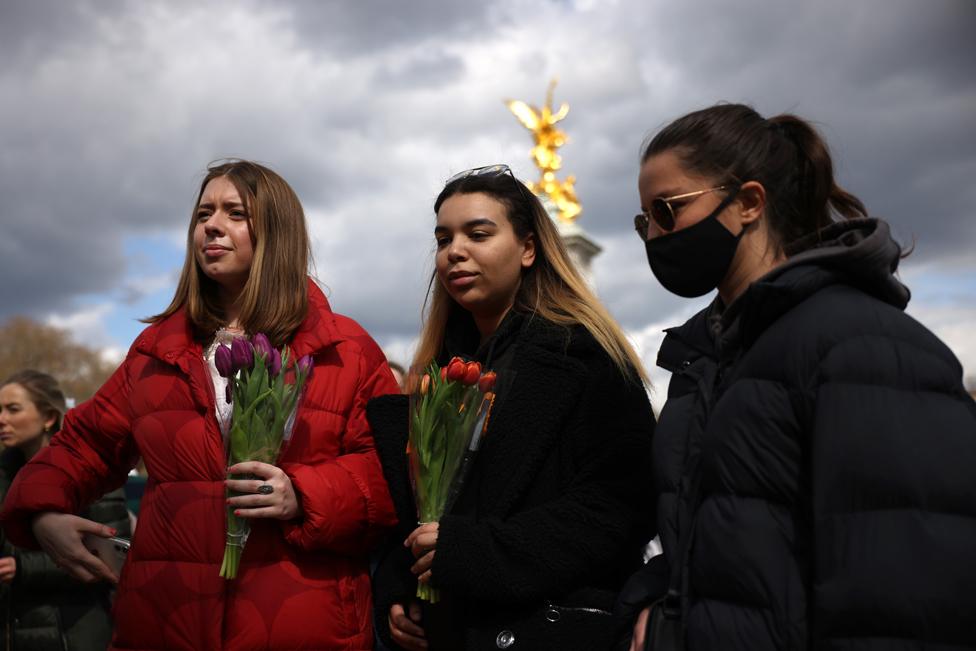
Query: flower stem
428, 594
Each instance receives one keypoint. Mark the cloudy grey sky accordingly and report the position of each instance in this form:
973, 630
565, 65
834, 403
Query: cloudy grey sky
111, 109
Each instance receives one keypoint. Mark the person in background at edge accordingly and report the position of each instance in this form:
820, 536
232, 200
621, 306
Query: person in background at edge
814, 460
553, 517
43, 606
303, 582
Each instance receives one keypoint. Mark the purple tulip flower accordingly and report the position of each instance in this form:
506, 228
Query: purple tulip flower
305, 366
262, 346
229, 392
242, 353
223, 360
274, 363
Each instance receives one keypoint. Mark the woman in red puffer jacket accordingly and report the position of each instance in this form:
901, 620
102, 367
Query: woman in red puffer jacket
303, 581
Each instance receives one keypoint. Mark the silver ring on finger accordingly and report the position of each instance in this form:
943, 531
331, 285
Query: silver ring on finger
265, 489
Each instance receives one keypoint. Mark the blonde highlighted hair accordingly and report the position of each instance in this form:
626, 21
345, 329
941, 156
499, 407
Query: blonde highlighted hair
275, 297
552, 288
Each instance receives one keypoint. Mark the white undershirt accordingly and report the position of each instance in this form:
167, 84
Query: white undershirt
224, 409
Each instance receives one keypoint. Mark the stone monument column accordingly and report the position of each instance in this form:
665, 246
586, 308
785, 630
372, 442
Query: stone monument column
582, 249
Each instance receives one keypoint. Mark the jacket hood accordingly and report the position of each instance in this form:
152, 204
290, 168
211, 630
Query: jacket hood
856, 252
862, 251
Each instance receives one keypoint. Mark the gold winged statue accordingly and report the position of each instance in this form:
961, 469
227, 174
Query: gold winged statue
542, 124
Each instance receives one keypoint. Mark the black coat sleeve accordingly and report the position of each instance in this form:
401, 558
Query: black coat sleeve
38, 573
392, 581
645, 586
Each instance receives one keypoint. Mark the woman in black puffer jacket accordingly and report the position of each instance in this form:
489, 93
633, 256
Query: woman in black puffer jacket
44, 608
815, 460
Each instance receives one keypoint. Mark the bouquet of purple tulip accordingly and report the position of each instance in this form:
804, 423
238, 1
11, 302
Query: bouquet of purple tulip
264, 407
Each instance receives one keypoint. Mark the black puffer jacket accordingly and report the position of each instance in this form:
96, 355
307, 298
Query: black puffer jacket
553, 519
836, 453
44, 608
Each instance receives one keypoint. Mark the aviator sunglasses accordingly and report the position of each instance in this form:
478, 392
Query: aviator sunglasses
662, 212
490, 171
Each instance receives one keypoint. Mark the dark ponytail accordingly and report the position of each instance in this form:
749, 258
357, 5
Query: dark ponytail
732, 143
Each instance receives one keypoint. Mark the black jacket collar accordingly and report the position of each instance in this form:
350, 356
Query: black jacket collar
856, 252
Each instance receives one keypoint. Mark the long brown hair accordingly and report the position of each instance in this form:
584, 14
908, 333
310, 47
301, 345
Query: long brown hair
552, 288
275, 297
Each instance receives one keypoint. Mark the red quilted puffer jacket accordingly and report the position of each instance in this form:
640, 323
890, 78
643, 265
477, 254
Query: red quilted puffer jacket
302, 584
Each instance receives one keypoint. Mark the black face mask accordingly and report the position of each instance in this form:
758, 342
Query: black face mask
693, 261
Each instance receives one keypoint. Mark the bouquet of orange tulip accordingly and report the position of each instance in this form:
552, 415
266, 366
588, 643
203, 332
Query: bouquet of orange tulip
449, 410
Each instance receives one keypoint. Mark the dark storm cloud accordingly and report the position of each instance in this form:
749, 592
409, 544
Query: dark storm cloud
111, 110
369, 28
36, 252
34, 29
65, 216
97, 148
424, 70
889, 84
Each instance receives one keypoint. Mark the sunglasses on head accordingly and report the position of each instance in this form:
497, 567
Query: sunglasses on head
662, 212
488, 171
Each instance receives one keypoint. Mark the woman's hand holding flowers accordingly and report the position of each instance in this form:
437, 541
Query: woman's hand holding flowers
264, 404
422, 543
281, 503
405, 626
